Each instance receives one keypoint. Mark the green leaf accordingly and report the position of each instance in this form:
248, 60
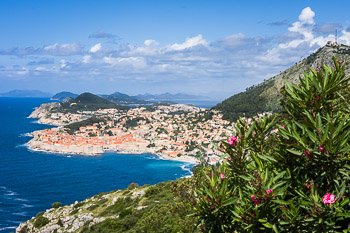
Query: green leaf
295, 152
274, 227
281, 202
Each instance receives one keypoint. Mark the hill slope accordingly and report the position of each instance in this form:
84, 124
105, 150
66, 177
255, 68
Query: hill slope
136, 209
63, 95
266, 96
86, 102
123, 99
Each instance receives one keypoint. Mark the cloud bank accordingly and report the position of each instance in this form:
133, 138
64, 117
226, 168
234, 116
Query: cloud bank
231, 63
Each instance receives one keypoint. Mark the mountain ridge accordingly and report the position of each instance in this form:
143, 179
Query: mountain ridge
266, 96
86, 102
124, 99
64, 95
26, 93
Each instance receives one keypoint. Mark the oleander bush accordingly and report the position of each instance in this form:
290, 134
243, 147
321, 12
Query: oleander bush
286, 172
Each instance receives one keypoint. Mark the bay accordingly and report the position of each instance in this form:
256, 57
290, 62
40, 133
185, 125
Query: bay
31, 181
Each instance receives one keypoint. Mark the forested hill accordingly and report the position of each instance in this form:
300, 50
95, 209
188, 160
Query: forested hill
266, 96
86, 102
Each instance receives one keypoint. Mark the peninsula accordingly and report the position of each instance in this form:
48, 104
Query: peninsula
178, 132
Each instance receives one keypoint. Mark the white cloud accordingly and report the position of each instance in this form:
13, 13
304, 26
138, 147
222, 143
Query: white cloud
304, 25
41, 69
345, 37
149, 48
307, 16
150, 43
236, 61
304, 41
23, 71
189, 43
233, 40
63, 63
86, 59
136, 62
97, 47
63, 49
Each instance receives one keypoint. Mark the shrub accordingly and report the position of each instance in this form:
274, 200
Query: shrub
284, 173
56, 205
132, 186
40, 221
125, 212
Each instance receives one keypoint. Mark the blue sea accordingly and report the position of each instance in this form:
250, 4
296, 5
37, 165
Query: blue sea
31, 181
199, 103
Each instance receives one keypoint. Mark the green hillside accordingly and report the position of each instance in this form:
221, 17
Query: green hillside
136, 209
86, 102
64, 95
123, 99
267, 95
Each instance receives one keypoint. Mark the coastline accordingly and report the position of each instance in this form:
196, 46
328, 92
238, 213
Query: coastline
50, 150
176, 132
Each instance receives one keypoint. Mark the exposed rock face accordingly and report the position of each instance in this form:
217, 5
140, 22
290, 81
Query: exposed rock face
43, 110
74, 217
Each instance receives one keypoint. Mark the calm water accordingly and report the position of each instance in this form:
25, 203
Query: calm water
200, 103
31, 181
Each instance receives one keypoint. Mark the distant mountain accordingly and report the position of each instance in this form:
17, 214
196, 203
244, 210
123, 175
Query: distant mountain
266, 96
170, 97
26, 93
64, 95
123, 99
86, 102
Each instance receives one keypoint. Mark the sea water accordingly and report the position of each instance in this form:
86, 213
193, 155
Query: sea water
31, 181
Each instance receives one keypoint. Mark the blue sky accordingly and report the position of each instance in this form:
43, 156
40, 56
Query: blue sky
214, 48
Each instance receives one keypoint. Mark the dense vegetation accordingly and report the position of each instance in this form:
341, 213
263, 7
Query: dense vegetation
123, 99
248, 103
64, 95
283, 173
161, 211
86, 102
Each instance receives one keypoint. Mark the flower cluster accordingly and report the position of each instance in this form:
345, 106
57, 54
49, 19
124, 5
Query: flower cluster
328, 198
222, 176
256, 201
321, 148
232, 141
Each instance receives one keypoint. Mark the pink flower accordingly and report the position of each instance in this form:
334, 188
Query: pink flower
222, 176
269, 191
307, 153
321, 148
232, 141
308, 185
254, 201
328, 198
